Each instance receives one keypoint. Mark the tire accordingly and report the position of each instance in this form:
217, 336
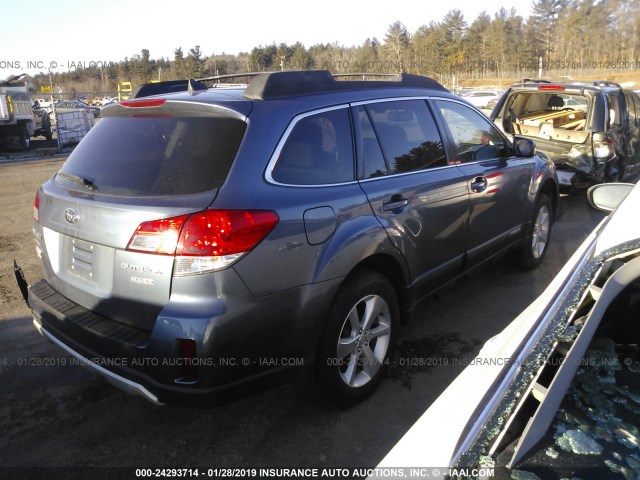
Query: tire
24, 140
358, 338
536, 243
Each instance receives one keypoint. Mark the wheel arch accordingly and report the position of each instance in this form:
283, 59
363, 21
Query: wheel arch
550, 188
393, 270
390, 267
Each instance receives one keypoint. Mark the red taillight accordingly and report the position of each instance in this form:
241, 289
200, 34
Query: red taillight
603, 147
156, 102
224, 232
205, 241
36, 208
158, 236
551, 87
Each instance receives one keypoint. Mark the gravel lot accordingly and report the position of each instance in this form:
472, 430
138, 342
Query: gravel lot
55, 415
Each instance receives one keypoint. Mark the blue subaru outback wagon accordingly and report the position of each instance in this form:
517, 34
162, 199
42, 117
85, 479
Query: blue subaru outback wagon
203, 240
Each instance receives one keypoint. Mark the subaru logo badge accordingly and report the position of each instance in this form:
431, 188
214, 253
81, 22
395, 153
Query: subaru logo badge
71, 216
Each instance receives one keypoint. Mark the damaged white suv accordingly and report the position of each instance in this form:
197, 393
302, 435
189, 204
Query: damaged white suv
591, 131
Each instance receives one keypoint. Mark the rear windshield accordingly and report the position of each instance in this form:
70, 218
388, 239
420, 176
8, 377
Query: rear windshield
547, 110
155, 156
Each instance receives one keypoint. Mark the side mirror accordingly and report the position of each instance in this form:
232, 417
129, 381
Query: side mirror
524, 147
607, 196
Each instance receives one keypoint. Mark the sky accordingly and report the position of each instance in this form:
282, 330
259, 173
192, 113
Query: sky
40, 35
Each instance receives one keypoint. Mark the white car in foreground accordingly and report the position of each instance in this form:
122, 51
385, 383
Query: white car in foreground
491, 416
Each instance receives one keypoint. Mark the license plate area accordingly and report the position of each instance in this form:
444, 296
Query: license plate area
81, 259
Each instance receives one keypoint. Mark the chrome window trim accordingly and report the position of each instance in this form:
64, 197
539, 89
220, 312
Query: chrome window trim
268, 175
390, 99
402, 174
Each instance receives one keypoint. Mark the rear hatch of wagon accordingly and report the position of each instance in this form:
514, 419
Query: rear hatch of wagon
559, 118
108, 222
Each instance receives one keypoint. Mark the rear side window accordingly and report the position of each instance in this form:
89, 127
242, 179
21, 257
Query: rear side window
615, 119
157, 156
633, 101
318, 151
408, 136
631, 105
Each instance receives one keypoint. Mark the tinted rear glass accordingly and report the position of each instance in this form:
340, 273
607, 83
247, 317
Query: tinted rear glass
318, 151
156, 156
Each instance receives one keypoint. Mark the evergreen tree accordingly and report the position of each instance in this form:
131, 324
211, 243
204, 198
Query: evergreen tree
178, 64
397, 42
194, 63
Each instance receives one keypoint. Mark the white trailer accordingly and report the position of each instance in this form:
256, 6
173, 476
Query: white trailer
17, 122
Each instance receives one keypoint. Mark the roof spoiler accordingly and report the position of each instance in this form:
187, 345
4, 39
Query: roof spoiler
168, 86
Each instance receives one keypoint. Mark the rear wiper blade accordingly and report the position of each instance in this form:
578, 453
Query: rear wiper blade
85, 182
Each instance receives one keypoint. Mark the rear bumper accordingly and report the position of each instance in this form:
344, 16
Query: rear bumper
233, 356
117, 380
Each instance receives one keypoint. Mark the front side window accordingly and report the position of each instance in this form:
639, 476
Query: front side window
318, 151
475, 138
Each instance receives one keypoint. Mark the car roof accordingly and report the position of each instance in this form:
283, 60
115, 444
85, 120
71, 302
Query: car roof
594, 86
292, 84
484, 90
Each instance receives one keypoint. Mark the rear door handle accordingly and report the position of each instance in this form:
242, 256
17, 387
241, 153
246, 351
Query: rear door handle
395, 203
479, 184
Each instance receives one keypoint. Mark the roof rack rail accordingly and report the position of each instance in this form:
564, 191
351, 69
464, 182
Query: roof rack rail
291, 83
363, 74
606, 83
266, 85
229, 75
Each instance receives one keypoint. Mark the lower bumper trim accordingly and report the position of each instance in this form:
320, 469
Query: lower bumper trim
116, 380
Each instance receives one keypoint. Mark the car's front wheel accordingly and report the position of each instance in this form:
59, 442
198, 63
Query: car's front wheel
536, 243
358, 338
